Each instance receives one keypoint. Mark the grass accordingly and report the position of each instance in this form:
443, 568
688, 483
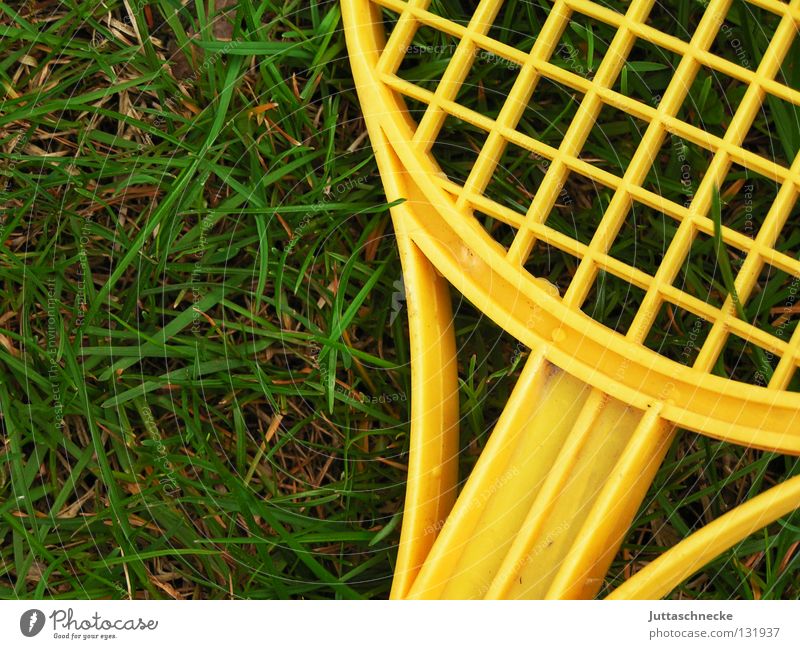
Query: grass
205, 380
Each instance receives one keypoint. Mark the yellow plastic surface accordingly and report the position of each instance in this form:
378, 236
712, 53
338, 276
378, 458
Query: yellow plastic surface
576, 448
433, 456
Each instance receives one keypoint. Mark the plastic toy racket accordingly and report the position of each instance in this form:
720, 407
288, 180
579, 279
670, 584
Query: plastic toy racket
594, 411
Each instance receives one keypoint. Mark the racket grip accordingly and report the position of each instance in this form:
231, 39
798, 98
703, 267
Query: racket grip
552, 495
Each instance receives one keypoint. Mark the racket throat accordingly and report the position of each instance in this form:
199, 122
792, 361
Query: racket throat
551, 497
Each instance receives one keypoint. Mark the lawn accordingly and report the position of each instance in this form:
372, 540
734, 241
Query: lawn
204, 368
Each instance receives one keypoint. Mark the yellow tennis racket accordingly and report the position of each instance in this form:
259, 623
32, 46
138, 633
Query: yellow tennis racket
596, 406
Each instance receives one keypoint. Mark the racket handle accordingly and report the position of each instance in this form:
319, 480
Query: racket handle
551, 497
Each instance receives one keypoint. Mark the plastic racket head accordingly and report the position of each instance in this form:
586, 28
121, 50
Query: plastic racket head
492, 245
